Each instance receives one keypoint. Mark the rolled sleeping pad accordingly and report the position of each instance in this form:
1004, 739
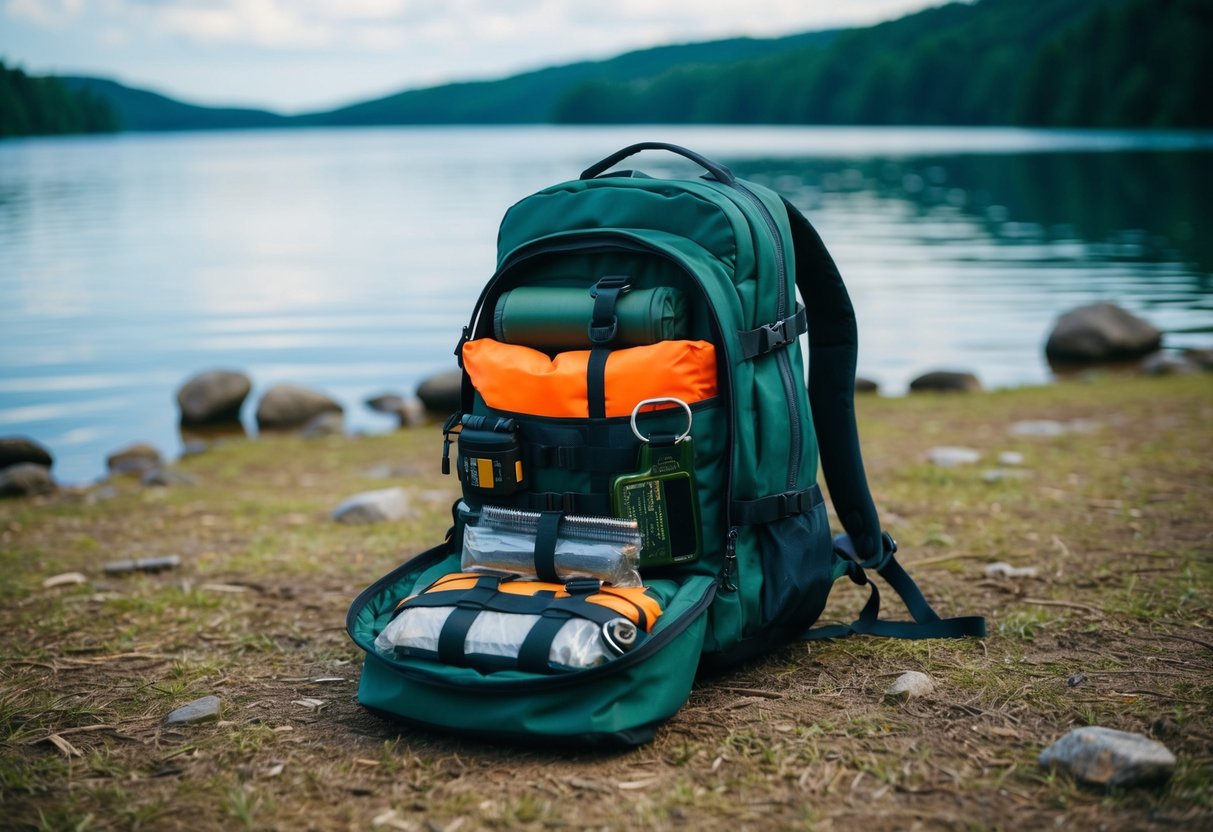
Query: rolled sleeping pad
558, 317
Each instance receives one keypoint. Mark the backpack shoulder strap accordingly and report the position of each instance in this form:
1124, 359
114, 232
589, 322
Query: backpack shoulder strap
833, 349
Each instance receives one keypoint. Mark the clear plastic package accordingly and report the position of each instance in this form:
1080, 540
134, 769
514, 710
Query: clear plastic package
604, 548
579, 644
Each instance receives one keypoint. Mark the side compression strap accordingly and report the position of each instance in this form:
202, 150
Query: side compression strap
833, 350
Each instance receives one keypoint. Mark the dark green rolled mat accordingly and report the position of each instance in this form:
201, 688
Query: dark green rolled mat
556, 317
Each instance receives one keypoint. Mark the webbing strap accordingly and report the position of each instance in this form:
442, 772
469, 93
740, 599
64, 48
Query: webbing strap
775, 507
454, 632
584, 458
536, 648
545, 546
570, 502
604, 325
770, 337
926, 623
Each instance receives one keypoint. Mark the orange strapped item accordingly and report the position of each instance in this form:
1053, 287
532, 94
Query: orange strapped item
519, 379
632, 602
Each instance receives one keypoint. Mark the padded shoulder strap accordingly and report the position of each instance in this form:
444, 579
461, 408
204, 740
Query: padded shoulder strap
833, 350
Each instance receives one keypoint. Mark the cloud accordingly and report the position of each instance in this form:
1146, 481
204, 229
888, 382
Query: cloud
50, 14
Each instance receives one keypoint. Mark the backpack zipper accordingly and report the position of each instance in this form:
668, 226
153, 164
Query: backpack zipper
781, 356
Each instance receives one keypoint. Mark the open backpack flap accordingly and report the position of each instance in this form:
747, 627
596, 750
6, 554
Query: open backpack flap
638, 451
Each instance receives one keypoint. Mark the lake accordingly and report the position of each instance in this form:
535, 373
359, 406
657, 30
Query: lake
348, 260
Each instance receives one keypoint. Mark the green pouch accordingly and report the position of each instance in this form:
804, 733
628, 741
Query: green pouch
558, 318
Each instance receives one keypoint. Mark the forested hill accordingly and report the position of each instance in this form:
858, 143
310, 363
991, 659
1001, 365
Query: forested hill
1082, 63
1071, 63
532, 97
45, 106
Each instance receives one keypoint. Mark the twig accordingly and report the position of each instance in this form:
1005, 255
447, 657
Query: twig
765, 694
1042, 602
1204, 644
80, 729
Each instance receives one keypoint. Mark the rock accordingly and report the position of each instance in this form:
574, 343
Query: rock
910, 685
1038, 427
384, 505
440, 393
866, 385
1165, 727
1107, 757
1166, 364
951, 457
1006, 570
412, 413
995, 475
1101, 332
1010, 458
1076, 680
213, 396
159, 564
324, 424
65, 579
164, 477
390, 403
286, 406
26, 479
205, 709
137, 459
1202, 358
15, 450
945, 381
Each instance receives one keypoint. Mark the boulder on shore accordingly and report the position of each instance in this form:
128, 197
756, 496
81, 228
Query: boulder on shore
440, 393
136, 459
15, 450
213, 396
946, 381
866, 385
1101, 332
286, 406
26, 479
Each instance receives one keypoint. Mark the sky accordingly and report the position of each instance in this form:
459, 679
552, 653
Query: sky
299, 55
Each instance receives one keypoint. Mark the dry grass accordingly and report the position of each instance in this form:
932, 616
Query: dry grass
1116, 519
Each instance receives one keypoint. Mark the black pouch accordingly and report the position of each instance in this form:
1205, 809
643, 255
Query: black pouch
489, 461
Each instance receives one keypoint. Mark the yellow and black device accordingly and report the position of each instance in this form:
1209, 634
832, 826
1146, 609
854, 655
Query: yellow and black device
490, 456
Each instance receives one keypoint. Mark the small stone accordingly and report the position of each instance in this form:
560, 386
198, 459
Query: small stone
309, 702
442, 392
384, 505
994, 475
951, 457
946, 381
1165, 727
1076, 680
866, 385
910, 685
15, 450
136, 459
205, 709
65, 579
1038, 427
1010, 458
324, 424
26, 479
1006, 570
1165, 364
1107, 757
160, 564
412, 413
213, 396
165, 477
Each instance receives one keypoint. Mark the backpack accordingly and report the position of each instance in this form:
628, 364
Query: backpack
635, 362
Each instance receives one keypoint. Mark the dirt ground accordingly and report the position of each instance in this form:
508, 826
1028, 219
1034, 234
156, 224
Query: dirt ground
1115, 629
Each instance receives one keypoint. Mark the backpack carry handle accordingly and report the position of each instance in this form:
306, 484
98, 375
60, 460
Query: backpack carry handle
717, 170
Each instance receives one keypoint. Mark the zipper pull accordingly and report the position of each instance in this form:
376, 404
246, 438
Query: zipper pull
447, 429
730, 562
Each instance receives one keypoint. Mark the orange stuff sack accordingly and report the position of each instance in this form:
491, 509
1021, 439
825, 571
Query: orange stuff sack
519, 379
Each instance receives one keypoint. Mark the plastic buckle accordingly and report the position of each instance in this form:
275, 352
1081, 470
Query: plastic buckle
582, 586
612, 281
789, 503
774, 336
890, 545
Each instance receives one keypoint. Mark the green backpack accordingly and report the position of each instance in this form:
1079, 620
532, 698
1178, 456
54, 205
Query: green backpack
636, 355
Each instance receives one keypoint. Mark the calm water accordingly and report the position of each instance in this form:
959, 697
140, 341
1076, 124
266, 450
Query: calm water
348, 260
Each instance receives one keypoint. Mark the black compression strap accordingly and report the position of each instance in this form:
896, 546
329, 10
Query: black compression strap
570, 502
545, 546
771, 337
536, 648
775, 507
453, 636
584, 458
